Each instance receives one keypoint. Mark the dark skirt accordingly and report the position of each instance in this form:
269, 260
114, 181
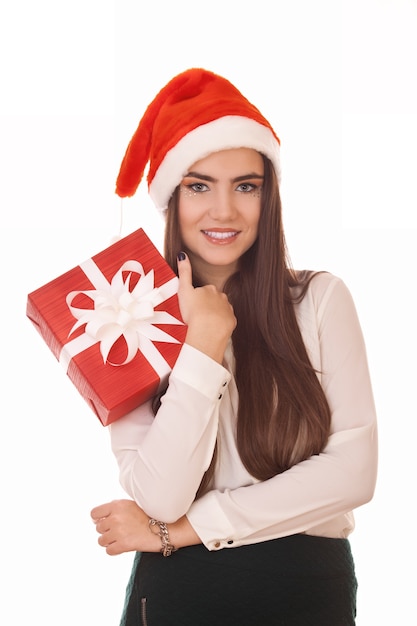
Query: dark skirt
294, 581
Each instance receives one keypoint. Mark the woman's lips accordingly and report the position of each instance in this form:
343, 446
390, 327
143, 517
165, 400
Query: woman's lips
221, 236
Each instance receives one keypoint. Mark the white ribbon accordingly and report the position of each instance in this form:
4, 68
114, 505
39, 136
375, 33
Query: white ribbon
122, 312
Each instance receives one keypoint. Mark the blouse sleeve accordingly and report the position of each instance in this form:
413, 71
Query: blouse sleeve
157, 454
328, 485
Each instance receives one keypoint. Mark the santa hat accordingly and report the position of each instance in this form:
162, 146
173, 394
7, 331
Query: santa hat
195, 114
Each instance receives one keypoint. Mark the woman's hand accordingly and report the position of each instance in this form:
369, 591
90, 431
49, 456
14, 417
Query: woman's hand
124, 527
207, 313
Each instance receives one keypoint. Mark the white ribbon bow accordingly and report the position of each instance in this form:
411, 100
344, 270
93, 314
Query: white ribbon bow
121, 312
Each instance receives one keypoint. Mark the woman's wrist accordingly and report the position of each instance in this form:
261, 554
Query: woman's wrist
213, 349
182, 534
161, 529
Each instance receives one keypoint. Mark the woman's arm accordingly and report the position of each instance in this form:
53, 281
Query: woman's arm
162, 459
316, 495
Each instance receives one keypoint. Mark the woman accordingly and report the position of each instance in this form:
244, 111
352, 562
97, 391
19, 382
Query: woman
245, 471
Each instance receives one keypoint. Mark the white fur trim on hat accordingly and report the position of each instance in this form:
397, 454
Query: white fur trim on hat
231, 131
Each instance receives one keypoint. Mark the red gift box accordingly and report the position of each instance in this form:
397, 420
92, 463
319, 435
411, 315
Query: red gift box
114, 323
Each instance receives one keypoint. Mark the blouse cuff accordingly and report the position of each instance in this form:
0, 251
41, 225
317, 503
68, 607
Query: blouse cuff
199, 371
197, 516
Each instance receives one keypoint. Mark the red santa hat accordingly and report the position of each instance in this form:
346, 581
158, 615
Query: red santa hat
195, 114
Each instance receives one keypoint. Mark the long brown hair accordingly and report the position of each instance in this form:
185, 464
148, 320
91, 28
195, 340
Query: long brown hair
283, 415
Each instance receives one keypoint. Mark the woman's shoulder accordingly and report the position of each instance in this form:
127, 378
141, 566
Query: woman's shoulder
324, 297
317, 288
313, 281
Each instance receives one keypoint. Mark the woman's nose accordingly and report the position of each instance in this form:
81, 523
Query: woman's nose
222, 206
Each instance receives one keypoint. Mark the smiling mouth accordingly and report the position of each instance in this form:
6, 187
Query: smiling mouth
220, 235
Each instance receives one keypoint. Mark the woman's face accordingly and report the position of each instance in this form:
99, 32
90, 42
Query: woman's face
219, 209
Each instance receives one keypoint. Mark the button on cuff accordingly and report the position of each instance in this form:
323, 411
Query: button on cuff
225, 542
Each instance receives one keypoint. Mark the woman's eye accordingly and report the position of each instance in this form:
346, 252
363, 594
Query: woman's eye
246, 187
198, 187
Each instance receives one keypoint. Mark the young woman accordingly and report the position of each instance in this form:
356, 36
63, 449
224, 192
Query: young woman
245, 471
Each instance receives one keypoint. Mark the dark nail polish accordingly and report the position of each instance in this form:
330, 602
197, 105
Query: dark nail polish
181, 256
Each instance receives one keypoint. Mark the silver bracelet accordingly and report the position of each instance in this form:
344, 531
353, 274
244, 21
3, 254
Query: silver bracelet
167, 547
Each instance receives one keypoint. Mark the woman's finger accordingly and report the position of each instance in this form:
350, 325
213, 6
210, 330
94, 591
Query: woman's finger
99, 512
185, 273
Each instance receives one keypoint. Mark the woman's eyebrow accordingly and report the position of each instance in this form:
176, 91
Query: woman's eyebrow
251, 176
201, 177
210, 179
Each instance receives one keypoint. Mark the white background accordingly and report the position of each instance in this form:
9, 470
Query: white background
337, 80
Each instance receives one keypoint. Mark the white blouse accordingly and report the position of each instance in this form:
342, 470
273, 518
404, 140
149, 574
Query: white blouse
163, 458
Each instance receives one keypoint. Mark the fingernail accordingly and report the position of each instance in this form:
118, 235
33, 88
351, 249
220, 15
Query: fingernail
181, 256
